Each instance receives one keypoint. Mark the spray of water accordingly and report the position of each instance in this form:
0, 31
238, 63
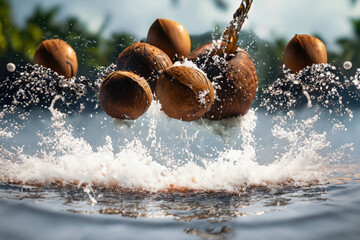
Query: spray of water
162, 154
322, 84
155, 153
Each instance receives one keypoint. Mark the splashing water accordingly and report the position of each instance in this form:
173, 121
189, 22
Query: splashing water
155, 153
73, 161
323, 84
347, 65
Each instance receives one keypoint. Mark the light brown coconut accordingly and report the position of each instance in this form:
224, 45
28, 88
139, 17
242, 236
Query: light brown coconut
234, 79
171, 37
57, 55
302, 51
184, 93
145, 60
125, 95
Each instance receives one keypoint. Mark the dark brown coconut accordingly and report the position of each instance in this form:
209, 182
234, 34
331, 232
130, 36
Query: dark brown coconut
234, 79
125, 95
145, 60
171, 37
184, 93
302, 51
57, 55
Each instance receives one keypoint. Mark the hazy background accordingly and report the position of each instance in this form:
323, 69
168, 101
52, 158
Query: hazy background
267, 19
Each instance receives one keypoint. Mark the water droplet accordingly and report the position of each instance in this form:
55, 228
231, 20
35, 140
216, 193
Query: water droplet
10, 67
347, 65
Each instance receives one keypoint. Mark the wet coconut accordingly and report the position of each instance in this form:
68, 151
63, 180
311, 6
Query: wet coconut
230, 69
145, 60
57, 55
302, 51
184, 93
233, 76
171, 37
125, 95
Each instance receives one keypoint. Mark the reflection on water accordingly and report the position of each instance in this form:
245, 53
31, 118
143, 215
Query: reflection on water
216, 233
205, 215
181, 206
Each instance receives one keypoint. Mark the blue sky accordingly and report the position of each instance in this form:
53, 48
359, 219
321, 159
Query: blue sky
268, 19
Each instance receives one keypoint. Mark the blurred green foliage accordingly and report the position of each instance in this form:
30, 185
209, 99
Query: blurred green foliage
18, 45
93, 50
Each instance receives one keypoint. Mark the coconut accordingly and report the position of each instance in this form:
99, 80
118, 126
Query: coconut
233, 76
171, 37
57, 55
184, 93
125, 95
145, 60
302, 51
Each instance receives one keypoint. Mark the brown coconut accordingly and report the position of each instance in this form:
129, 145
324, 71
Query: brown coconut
145, 60
234, 79
171, 37
184, 93
57, 55
125, 95
302, 51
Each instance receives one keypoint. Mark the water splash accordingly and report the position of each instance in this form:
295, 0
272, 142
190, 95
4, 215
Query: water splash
322, 84
347, 65
71, 160
159, 154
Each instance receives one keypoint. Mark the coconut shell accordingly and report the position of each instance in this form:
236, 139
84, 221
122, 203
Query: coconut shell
145, 60
57, 55
125, 95
184, 93
171, 37
234, 79
302, 51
